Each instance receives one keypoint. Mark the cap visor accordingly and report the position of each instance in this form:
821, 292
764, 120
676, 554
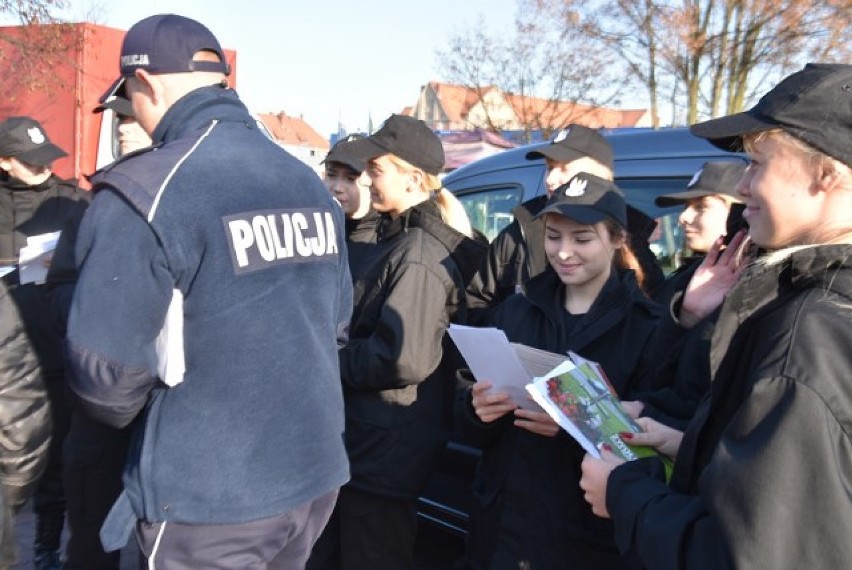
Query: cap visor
42, 156
680, 198
366, 149
118, 104
727, 132
581, 214
555, 152
353, 164
114, 90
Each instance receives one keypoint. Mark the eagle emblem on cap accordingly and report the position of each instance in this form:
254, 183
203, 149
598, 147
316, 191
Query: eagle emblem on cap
36, 135
695, 178
577, 187
561, 135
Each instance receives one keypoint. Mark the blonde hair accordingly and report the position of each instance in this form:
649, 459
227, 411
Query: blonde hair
818, 164
452, 211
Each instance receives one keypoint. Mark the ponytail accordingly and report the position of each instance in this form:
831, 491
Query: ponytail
452, 211
624, 258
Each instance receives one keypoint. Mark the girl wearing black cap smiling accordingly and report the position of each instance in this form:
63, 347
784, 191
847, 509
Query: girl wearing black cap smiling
763, 473
527, 511
398, 388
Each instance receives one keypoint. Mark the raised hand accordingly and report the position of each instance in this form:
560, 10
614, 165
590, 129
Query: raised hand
716, 275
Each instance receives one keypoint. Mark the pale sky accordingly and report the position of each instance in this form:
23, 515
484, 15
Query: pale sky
323, 59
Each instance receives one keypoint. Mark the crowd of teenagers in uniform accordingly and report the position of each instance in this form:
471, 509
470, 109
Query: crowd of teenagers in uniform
246, 368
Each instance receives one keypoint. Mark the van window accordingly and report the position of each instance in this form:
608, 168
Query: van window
490, 209
667, 239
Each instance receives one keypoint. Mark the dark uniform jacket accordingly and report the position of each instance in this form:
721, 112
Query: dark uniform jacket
29, 211
763, 474
25, 420
527, 504
361, 236
682, 377
398, 383
254, 242
515, 255
24, 409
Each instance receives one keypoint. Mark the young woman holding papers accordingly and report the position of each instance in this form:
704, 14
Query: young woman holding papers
527, 507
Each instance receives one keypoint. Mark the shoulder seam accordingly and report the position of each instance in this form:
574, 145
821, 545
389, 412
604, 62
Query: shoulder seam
175, 168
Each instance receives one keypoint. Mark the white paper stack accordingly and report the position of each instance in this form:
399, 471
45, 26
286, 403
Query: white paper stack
509, 367
34, 258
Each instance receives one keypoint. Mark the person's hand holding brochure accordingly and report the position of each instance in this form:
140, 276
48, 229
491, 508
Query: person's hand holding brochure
579, 398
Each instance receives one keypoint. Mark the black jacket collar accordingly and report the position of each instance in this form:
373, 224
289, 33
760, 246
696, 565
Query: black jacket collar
547, 292
467, 253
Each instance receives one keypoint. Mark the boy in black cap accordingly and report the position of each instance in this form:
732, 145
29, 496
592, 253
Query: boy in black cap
34, 201
217, 312
349, 184
130, 134
344, 178
517, 253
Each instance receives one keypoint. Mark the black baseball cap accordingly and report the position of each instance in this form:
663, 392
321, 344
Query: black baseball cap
814, 105
587, 199
120, 105
166, 43
573, 142
24, 138
342, 153
714, 178
406, 137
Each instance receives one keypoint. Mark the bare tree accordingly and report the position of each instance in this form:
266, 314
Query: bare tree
720, 52
538, 67
472, 59
35, 45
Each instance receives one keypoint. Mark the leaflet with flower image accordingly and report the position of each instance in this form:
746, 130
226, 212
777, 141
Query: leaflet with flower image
580, 399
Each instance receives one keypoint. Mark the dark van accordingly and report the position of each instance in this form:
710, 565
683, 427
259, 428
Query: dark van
647, 163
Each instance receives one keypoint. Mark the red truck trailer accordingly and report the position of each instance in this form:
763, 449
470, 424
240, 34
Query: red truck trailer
55, 73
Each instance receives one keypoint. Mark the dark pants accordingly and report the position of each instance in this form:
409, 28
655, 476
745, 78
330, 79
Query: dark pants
49, 495
94, 460
278, 543
367, 531
8, 544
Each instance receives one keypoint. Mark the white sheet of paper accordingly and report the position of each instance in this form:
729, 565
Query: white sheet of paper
34, 258
491, 357
169, 344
